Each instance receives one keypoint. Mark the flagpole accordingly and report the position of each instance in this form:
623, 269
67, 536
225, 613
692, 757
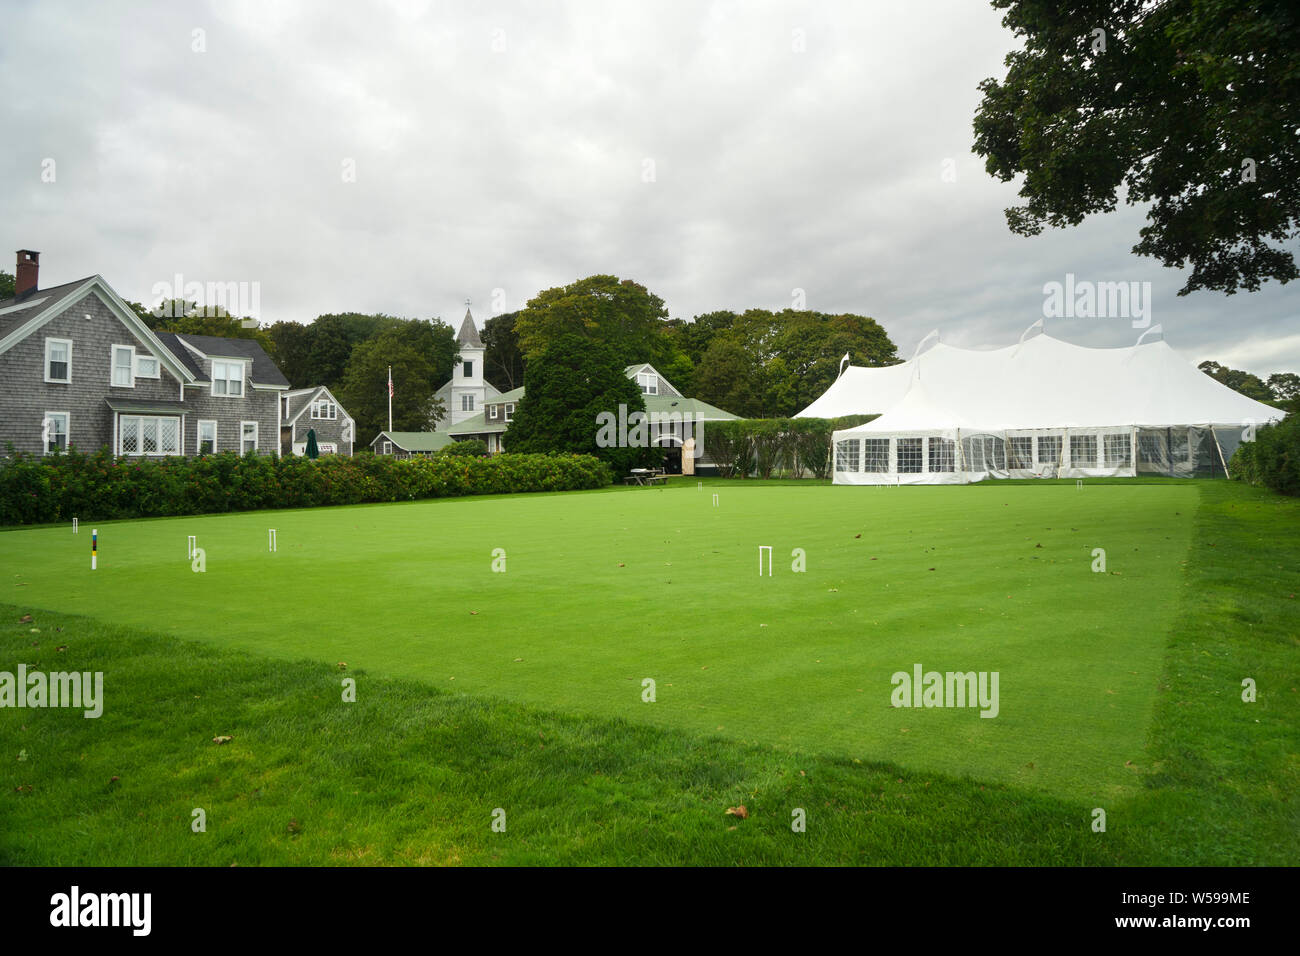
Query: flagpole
390, 398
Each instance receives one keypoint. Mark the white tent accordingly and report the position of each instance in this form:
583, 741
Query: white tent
1042, 407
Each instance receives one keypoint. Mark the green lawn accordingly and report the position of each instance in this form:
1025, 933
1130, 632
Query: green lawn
1119, 690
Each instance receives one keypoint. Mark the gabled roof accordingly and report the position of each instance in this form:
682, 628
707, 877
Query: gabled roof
184, 355
415, 441
265, 372
29, 304
33, 310
301, 399
467, 337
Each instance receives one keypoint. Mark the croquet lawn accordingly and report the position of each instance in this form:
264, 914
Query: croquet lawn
602, 591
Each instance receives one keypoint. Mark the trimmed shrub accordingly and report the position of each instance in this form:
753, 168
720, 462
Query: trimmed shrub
1273, 458
472, 446
35, 489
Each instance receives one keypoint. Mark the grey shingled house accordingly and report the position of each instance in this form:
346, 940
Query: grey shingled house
78, 367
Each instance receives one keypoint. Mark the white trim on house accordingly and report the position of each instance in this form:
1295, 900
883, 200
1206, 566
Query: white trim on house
125, 314
388, 448
198, 432
226, 379
67, 430
58, 381
157, 366
119, 422
113, 366
243, 428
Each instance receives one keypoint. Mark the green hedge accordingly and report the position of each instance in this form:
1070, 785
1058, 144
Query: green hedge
1273, 458
764, 446
34, 489
473, 447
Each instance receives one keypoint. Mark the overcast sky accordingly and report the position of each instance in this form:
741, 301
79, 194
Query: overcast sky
723, 154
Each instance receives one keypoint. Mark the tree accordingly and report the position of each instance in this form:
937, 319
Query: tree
416, 377
730, 378
618, 312
1190, 105
292, 347
1252, 386
570, 385
1285, 386
503, 363
188, 318
7, 285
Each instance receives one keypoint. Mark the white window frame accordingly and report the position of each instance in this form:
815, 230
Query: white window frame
318, 410
226, 380
467, 403
198, 445
467, 369
148, 357
649, 383
139, 452
58, 381
242, 439
388, 448
510, 411
112, 366
492, 412
67, 429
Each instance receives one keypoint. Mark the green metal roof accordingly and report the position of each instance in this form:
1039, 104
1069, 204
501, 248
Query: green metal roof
416, 441
666, 404
477, 425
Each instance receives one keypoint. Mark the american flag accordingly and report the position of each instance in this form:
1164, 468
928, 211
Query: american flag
390, 386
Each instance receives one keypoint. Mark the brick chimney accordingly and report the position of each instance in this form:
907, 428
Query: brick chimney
29, 268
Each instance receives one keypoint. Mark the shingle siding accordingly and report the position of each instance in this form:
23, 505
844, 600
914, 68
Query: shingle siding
25, 396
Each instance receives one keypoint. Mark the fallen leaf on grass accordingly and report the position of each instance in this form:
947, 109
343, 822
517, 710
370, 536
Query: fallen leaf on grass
222, 739
739, 811
26, 618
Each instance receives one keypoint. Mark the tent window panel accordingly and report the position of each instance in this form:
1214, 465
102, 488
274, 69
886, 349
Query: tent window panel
1083, 451
1118, 450
1152, 449
877, 455
1022, 452
909, 455
974, 448
942, 455
999, 450
846, 455
1049, 449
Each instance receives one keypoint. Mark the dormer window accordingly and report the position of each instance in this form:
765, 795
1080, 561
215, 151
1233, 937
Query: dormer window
649, 383
510, 412
492, 412
227, 378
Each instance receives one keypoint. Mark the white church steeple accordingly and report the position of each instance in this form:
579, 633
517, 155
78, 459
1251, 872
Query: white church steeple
468, 387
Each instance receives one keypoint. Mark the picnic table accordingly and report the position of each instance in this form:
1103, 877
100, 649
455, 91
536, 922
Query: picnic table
645, 476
